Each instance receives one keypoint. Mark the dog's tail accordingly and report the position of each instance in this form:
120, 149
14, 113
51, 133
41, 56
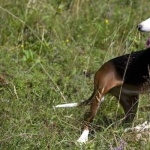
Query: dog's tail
82, 103
67, 105
79, 104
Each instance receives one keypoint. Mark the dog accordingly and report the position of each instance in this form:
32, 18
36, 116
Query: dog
125, 77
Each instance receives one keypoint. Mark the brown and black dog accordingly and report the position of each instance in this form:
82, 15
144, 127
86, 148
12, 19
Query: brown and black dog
124, 77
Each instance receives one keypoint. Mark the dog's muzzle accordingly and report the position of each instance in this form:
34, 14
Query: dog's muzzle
139, 27
144, 26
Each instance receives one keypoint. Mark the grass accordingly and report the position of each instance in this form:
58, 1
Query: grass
50, 51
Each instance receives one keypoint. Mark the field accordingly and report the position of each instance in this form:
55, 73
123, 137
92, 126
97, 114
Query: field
49, 52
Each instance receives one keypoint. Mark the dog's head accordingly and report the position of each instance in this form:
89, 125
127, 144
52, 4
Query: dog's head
144, 26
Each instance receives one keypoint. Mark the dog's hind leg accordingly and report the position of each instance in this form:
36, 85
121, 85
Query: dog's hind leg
105, 79
93, 110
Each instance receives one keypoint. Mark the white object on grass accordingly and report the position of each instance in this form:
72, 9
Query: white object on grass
140, 128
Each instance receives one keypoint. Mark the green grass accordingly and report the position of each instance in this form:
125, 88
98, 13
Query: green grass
50, 51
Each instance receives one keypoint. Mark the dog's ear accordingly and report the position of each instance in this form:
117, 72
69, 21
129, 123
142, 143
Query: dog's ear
144, 26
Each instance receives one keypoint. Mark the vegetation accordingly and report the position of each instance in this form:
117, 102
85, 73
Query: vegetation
50, 51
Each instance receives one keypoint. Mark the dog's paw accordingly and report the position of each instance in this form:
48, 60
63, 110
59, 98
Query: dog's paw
84, 137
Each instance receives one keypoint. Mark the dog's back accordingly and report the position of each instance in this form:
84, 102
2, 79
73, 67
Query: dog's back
133, 68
